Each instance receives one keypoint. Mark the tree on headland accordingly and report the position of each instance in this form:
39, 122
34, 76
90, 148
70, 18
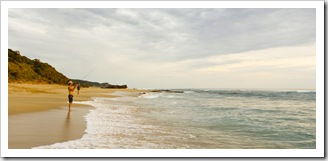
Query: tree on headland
24, 70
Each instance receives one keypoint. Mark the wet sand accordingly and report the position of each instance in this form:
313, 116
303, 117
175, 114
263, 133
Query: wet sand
29, 130
38, 114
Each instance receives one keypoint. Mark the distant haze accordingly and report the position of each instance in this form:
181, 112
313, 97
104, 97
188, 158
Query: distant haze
173, 48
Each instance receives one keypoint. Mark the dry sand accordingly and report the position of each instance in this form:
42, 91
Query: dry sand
38, 114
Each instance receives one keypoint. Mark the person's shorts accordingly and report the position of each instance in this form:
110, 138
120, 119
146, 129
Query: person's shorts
70, 98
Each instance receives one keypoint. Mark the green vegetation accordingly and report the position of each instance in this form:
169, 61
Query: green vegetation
96, 84
24, 70
85, 83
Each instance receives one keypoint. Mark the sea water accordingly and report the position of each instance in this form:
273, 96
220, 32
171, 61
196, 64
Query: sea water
201, 119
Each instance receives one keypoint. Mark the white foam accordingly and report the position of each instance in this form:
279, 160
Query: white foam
169, 96
150, 95
306, 91
111, 124
188, 92
298, 91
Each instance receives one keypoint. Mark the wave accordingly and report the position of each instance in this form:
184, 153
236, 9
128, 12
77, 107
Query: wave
150, 95
306, 91
189, 92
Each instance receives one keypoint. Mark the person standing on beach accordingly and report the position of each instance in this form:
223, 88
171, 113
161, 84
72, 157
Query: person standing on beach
78, 88
71, 89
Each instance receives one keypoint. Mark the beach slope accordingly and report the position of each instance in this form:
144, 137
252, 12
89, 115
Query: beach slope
38, 114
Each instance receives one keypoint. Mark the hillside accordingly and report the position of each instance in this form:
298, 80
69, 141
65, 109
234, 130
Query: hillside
24, 70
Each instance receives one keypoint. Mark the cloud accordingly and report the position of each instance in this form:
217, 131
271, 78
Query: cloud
240, 30
174, 33
282, 59
150, 41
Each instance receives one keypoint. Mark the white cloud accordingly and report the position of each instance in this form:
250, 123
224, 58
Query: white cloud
277, 58
180, 45
284, 67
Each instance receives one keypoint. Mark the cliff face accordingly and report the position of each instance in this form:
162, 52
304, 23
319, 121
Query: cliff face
24, 70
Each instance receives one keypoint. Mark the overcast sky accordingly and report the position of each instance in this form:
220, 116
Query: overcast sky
173, 48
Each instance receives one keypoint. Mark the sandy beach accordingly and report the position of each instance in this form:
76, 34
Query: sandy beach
38, 114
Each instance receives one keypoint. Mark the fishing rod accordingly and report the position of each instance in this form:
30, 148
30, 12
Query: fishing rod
90, 72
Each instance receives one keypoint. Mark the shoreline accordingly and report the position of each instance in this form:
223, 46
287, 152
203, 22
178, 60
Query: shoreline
28, 130
38, 113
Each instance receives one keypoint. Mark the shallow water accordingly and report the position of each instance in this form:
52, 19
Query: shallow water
201, 119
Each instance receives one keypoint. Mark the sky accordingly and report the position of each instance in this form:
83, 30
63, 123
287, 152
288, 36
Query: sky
173, 47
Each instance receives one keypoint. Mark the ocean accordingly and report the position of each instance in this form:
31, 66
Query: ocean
200, 119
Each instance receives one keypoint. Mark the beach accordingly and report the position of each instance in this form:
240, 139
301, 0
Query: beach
38, 113
151, 119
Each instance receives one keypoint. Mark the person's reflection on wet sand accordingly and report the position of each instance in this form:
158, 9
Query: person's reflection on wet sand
67, 126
